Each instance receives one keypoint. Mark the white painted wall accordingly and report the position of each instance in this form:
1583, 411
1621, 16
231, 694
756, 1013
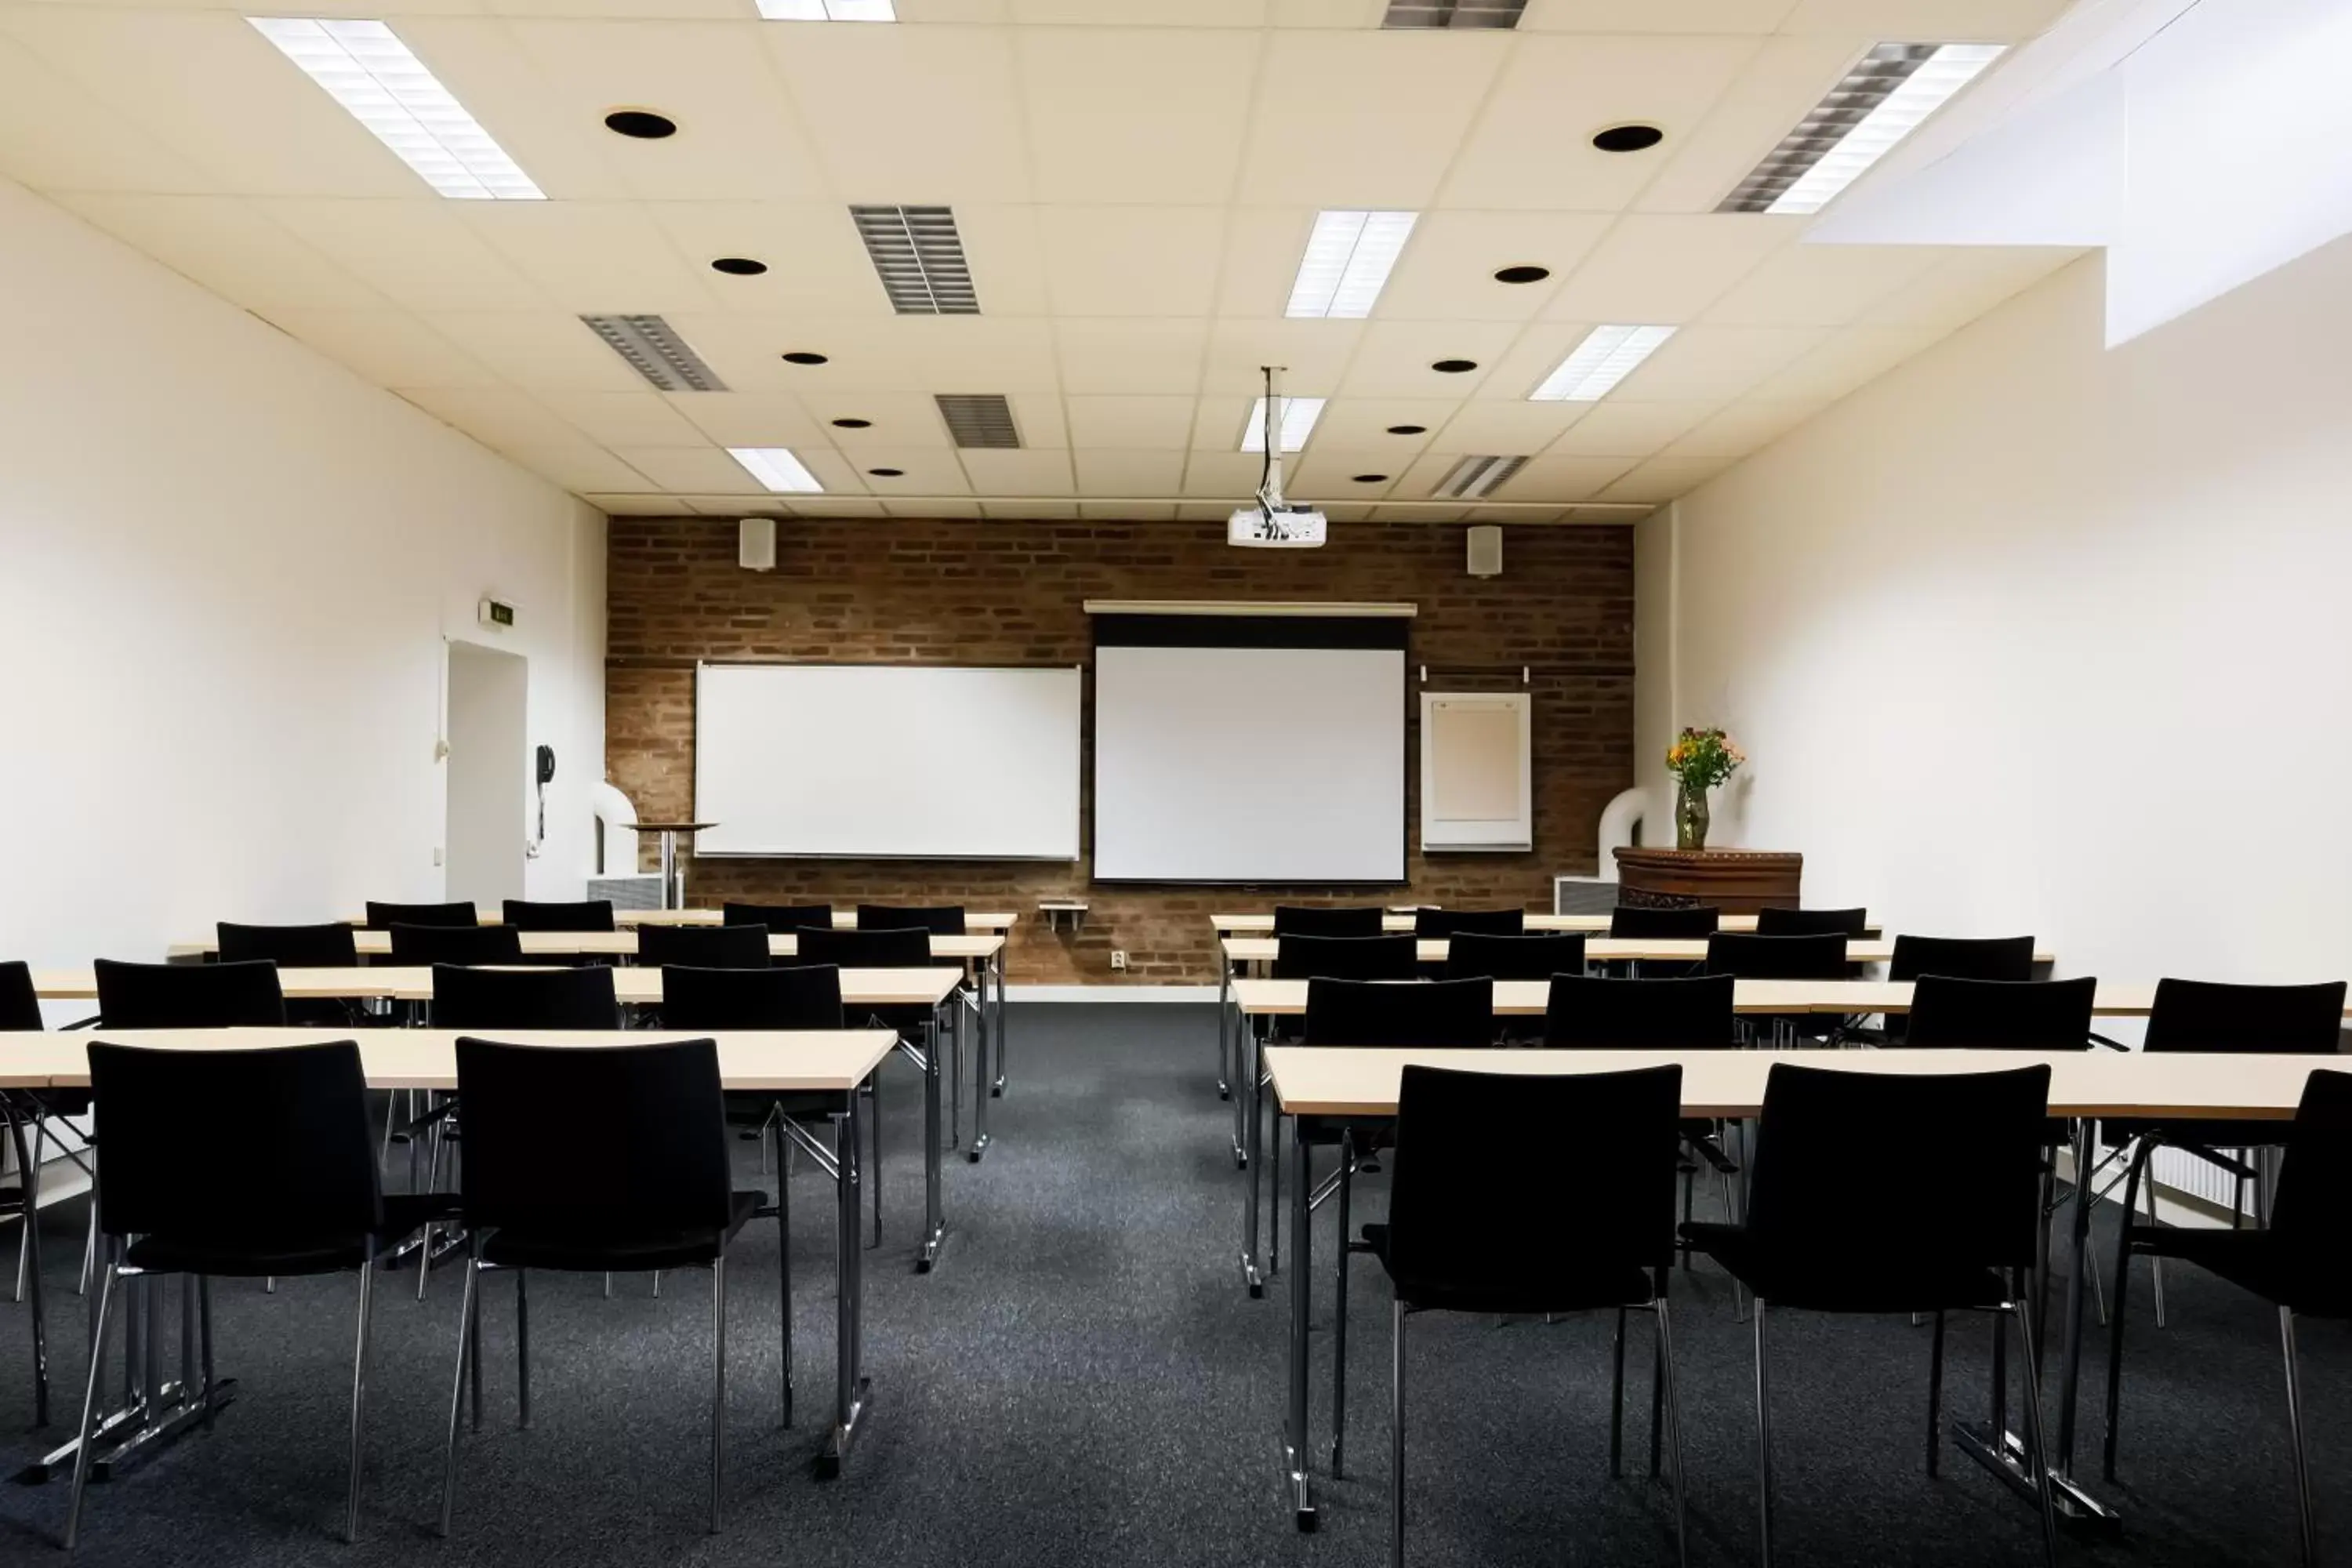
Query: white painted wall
226, 568
2035, 635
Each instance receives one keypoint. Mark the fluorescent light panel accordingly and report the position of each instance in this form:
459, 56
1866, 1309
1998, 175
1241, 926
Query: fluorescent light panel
1885, 96
919, 258
1454, 13
368, 71
1348, 261
827, 11
655, 351
1606, 356
1298, 417
778, 469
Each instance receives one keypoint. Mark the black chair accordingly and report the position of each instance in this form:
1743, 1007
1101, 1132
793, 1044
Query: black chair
1812, 922
294, 1193
1437, 925
20, 1008
656, 1194
776, 917
384, 916
299, 947
466, 999
1514, 957
1323, 919
1954, 1236
1696, 923
416, 946
1448, 1246
2299, 1265
537, 914
701, 947
1948, 1013
1963, 958
941, 920
1754, 956
1395, 957
189, 996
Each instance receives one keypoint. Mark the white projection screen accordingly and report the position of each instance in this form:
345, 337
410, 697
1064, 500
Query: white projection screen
1222, 759
887, 761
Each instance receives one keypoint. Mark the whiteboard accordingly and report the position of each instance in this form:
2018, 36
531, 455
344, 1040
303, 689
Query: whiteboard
887, 761
1249, 764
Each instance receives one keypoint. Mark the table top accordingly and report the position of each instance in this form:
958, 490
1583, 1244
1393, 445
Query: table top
1344, 1081
567, 943
2114, 999
636, 987
1537, 924
1596, 950
843, 919
780, 1060
669, 826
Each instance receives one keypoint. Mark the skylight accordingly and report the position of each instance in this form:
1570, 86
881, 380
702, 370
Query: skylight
1348, 261
1887, 95
1298, 416
1607, 355
777, 469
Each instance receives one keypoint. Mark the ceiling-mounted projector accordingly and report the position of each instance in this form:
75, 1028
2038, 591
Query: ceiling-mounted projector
1270, 522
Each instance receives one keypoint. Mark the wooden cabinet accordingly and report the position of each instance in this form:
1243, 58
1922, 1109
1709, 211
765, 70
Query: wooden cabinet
1736, 881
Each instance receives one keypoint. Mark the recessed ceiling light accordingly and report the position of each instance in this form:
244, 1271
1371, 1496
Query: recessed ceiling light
739, 267
655, 351
1453, 366
1606, 356
777, 469
1371, 479
1474, 476
828, 10
1628, 138
854, 423
1298, 416
1872, 107
919, 258
1408, 429
887, 473
801, 356
1347, 264
1522, 274
642, 123
367, 69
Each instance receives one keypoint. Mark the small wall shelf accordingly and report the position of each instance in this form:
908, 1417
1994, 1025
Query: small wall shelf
1059, 913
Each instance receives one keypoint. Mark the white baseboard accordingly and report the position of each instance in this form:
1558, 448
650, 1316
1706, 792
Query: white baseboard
1110, 994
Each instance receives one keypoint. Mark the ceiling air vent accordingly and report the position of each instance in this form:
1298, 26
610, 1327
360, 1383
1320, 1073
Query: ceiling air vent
921, 260
979, 419
1454, 13
655, 352
1474, 477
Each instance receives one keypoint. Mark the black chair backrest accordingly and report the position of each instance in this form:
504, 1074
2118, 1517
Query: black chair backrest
299, 1174
940, 919
189, 996
657, 1167
20, 1003
776, 917
2206, 1015
384, 916
908, 948
2001, 1015
1977, 1205
1395, 957
1322, 919
1696, 923
1436, 925
1812, 922
1538, 957
1761, 957
524, 998
417, 945
704, 947
538, 914
1545, 1137
293, 947
1964, 958
1592, 1012
2314, 1185
1437, 1014
786, 996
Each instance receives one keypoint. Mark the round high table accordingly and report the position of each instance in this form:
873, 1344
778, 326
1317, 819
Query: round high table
672, 870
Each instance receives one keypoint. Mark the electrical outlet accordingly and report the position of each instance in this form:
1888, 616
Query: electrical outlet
1119, 958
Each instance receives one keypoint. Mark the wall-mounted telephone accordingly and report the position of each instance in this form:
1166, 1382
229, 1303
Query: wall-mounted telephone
545, 767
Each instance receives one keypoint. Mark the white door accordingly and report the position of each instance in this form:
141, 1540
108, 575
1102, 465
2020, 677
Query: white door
489, 775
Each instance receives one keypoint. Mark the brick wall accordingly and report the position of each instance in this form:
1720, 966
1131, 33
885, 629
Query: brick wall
1010, 593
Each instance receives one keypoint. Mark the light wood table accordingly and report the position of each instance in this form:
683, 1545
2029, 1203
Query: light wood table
1537, 924
977, 947
843, 919
829, 1062
1262, 950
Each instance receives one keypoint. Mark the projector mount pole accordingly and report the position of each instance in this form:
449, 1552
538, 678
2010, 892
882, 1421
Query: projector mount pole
1269, 484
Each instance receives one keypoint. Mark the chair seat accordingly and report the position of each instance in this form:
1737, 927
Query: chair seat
1850, 1281
2253, 1260
597, 1251
1567, 1290
404, 1214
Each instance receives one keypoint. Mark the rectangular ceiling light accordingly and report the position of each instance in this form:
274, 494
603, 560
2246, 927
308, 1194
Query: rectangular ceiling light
1348, 261
1606, 356
371, 73
828, 11
1474, 476
978, 420
1454, 13
777, 469
1874, 106
655, 351
920, 258
1298, 417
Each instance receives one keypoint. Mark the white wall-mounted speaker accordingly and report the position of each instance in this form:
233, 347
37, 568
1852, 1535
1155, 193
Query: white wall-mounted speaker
1486, 551
755, 543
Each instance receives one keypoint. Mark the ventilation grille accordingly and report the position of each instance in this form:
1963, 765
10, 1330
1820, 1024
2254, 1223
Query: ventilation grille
979, 420
655, 352
1869, 84
1474, 476
920, 258
1454, 13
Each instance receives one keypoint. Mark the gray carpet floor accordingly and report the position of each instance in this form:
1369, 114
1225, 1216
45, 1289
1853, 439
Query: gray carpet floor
1085, 1382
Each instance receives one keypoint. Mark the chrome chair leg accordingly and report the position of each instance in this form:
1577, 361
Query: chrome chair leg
2295, 1432
90, 1403
718, 1385
1340, 1308
522, 1348
457, 1393
89, 1245
2155, 1264
359, 1399
1396, 1445
1936, 1397
784, 1260
873, 1173
2041, 1486
1763, 1436
1674, 1427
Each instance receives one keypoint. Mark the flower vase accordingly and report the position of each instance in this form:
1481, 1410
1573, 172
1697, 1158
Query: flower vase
1690, 817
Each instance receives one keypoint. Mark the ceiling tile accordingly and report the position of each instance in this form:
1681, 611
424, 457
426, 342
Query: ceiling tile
1666, 479
908, 115
1138, 423
1156, 115
1447, 271
579, 468
1562, 478
419, 253
1007, 259
1848, 359
390, 348
646, 418
1364, 422
1217, 424
1394, 358
1228, 476
1745, 427
746, 418
56, 134
1652, 15
1955, 20
998, 472
1805, 285
899, 419
816, 265
1382, 110
1664, 269
1331, 474
1783, 81
500, 417
1131, 261
1038, 417
1115, 355
594, 258
1119, 473
545, 349
703, 471
229, 245
1312, 356
1142, 13
1616, 428
923, 471
1516, 429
